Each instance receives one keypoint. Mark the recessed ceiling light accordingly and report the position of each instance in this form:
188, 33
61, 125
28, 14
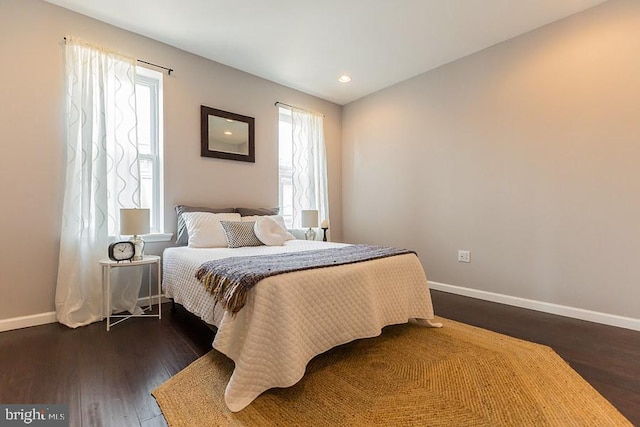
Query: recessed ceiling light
344, 79
226, 132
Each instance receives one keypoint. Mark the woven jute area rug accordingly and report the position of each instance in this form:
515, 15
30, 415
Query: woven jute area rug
409, 376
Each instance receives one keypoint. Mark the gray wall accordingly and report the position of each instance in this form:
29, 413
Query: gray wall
527, 154
31, 135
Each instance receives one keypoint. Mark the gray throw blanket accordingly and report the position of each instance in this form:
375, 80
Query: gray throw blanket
229, 279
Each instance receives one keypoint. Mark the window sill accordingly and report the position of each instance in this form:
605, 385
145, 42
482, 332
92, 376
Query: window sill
157, 237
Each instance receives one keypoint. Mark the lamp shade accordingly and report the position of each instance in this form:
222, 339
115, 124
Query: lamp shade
134, 222
309, 218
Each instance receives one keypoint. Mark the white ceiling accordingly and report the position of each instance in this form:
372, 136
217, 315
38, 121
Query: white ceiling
308, 44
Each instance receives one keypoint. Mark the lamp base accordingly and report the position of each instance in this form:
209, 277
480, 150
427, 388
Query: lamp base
310, 234
138, 243
324, 235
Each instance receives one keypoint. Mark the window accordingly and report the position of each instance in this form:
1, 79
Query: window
149, 115
285, 160
302, 166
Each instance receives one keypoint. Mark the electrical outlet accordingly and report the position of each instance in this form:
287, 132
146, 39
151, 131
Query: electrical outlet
464, 256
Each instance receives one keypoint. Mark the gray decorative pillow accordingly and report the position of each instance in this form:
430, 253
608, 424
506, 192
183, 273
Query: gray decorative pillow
257, 211
240, 234
182, 237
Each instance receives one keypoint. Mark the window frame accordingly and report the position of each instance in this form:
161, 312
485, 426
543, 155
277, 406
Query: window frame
153, 80
284, 115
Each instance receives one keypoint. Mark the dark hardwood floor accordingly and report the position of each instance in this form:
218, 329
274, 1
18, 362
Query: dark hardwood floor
106, 377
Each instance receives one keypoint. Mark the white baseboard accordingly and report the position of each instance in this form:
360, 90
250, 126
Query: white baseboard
27, 321
545, 307
144, 301
45, 318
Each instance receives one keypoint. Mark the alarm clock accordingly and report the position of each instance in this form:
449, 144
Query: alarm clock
122, 251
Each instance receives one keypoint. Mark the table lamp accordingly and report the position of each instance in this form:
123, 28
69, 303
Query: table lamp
310, 220
134, 222
325, 227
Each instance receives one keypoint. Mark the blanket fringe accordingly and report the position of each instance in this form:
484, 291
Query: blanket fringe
228, 293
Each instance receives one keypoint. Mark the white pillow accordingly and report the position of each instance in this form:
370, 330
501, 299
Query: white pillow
277, 218
269, 232
204, 228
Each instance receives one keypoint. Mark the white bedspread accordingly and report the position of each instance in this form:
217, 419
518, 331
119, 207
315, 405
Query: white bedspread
290, 318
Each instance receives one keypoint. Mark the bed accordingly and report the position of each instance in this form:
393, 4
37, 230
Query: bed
290, 318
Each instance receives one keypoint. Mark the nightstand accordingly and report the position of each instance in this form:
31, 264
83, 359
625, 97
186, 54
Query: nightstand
107, 266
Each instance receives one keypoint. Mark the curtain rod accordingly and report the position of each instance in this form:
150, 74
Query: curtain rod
169, 70
298, 108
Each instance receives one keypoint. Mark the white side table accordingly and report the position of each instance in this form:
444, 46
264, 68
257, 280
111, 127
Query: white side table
107, 265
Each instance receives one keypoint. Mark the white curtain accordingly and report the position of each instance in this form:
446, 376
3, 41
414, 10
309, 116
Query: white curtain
102, 175
310, 190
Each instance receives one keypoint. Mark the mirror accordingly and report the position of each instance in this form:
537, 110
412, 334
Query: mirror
226, 135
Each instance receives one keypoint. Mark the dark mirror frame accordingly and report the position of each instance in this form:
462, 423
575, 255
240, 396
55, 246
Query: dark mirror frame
205, 112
